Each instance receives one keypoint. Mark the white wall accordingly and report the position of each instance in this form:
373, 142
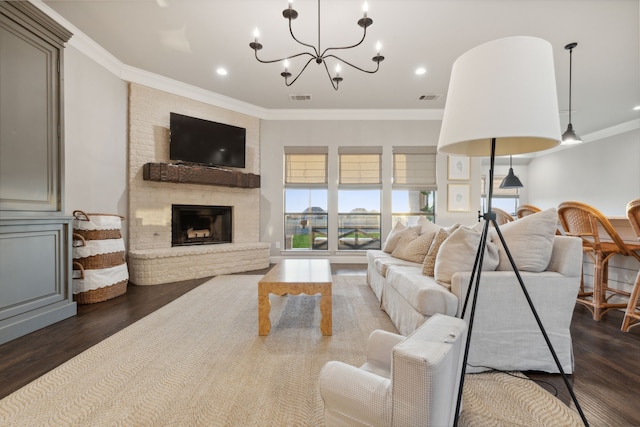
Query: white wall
276, 134
604, 174
95, 137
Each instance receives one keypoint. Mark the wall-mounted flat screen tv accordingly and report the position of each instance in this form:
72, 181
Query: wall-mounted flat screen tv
200, 141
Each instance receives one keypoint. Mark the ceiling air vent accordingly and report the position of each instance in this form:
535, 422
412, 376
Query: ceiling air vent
299, 97
429, 97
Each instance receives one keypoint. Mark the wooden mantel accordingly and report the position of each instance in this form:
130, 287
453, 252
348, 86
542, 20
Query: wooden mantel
192, 174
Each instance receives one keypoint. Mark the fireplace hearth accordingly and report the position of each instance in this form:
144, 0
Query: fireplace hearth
200, 225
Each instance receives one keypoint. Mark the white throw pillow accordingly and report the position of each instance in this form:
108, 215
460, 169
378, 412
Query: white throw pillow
428, 226
413, 246
458, 253
393, 238
530, 241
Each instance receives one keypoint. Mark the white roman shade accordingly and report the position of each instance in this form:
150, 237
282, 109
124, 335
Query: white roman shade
414, 168
360, 166
306, 169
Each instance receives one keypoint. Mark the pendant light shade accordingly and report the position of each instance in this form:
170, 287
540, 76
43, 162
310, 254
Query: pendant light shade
570, 136
511, 180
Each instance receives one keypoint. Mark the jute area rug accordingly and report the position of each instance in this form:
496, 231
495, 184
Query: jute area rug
199, 361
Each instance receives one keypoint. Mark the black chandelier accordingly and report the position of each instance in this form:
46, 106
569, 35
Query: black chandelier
320, 56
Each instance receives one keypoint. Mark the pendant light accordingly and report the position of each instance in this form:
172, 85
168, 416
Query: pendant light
570, 136
511, 180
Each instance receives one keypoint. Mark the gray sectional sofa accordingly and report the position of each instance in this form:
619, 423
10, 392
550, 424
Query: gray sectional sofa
505, 335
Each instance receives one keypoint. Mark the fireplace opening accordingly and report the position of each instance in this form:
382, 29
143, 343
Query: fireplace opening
200, 225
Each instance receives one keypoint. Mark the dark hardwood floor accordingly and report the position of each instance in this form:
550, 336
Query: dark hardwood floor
606, 380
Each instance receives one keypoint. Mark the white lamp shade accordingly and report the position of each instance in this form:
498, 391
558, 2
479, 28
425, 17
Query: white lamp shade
504, 89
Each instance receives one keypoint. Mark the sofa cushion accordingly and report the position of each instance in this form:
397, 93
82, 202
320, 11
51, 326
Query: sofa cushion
458, 253
382, 264
530, 241
412, 245
393, 238
421, 292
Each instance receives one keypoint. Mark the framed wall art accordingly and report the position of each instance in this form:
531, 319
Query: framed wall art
459, 168
458, 198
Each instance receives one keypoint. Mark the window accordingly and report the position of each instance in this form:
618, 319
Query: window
305, 198
506, 199
359, 197
414, 184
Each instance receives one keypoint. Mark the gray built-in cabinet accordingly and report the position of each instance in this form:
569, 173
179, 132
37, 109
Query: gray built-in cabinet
35, 236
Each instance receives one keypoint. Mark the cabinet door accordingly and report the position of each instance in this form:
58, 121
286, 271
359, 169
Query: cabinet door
31, 261
30, 151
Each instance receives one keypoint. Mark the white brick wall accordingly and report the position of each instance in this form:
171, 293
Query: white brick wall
156, 266
149, 219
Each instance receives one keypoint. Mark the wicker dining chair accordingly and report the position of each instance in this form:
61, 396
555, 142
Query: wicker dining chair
502, 217
525, 210
632, 314
584, 221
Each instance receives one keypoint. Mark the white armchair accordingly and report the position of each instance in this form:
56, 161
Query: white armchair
406, 381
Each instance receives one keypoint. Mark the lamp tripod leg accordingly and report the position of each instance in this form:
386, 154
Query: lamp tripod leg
475, 274
490, 217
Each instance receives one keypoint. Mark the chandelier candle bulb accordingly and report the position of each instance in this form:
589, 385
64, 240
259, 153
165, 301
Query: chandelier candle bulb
256, 34
378, 47
365, 9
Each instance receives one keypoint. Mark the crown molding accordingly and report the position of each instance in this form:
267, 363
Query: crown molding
97, 53
625, 127
176, 87
101, 56
348, 114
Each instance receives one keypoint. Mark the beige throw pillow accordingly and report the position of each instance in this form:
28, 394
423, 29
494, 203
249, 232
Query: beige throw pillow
530, 241
458, 253
429, 262
393, 238
412, 245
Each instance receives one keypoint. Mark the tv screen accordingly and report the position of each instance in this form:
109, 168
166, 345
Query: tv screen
205, 142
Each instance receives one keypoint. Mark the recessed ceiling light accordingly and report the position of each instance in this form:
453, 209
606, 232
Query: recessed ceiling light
420, 71
636, 108
221, 71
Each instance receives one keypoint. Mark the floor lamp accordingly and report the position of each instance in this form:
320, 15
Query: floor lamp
502, 100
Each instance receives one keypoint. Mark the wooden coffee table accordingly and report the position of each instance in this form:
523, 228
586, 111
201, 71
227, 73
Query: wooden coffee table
296, 276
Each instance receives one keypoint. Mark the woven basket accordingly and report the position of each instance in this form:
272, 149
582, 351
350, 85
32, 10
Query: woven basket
97, 226
99, 234
101, 261
98, 257
96, 254
100, 294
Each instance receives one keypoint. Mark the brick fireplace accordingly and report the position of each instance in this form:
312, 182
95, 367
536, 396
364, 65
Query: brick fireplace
153, 259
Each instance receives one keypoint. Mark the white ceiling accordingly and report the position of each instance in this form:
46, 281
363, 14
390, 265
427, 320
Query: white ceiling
187, 40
